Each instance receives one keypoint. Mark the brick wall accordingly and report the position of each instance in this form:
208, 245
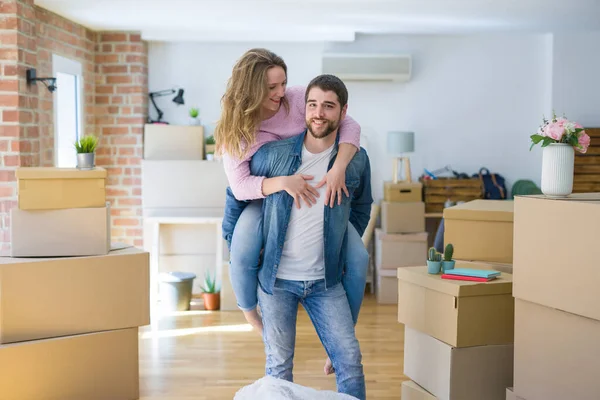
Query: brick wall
115, 91
121, 111
57, 35
9, 124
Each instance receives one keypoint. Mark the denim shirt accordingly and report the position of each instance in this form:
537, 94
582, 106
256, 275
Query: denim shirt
282, 158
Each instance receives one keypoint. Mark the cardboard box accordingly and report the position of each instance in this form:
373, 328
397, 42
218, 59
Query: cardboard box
460, 313
173, 142
402, 191
504, 268
386, 287
98, 366
450, 373
555, 243
556, 344
412, 391
57, 233
406, 217
481, 230
393, 250
50, 297
41, 188
183, 184
510, 395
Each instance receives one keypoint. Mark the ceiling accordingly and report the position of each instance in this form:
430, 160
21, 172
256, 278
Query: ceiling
323, 20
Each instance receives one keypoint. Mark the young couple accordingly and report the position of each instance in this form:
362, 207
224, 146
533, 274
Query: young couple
298, 202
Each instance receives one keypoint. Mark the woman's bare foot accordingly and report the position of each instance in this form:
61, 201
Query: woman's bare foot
255, 320
328, 369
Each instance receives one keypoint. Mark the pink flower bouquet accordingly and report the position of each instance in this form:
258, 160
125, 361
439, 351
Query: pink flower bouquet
561, 130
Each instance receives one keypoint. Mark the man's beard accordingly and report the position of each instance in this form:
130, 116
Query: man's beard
326, 129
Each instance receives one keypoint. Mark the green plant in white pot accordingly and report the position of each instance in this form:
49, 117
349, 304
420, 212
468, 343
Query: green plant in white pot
86, 151
194, 116
434, 261
209, 147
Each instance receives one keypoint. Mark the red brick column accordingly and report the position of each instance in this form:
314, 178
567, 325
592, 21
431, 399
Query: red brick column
121, 112
19, 143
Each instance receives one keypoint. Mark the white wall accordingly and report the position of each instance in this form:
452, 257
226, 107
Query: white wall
473, 101
576, 78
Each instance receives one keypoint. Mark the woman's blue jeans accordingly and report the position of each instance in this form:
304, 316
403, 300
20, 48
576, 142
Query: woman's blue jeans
246, 245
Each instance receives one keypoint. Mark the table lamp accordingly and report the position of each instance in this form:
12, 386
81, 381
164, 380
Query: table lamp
398, 143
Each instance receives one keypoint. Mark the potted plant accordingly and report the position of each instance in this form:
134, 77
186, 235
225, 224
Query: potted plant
559, 139
85, 148
434, 261
210, 294
194, 113
209, 147
448, 262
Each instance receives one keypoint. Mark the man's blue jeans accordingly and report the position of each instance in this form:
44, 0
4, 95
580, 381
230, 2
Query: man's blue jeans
246, 244
330, 314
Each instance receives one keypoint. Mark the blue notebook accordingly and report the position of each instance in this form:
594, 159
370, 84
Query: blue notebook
480, 273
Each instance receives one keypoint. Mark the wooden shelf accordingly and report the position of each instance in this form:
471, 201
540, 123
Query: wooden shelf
434, 215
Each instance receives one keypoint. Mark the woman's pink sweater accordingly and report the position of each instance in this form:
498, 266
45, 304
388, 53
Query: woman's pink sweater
280, 126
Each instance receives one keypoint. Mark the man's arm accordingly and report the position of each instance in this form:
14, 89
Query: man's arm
360, 207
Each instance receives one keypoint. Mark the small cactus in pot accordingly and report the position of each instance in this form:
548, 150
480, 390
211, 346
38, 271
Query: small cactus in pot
448, 262
434, 261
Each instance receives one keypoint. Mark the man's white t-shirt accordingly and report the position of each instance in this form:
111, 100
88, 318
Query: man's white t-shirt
302, 256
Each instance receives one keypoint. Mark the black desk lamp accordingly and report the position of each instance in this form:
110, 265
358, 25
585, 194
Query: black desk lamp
177, 100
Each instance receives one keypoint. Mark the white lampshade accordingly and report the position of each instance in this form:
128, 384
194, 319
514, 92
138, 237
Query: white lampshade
399, 142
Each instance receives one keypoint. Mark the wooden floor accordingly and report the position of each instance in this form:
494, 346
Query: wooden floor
211, 355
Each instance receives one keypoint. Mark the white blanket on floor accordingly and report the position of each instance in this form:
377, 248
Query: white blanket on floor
269, 388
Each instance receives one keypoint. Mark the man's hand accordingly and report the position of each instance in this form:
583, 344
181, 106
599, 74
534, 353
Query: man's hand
298, 188
336, 183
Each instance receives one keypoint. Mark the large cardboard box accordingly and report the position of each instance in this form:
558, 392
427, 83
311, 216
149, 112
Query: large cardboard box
557, 344
402, 191
511, 395
393, 250
450, 373
481, 230
555, 258
96, 366
460, 313
41, 188
412, 391
50, 297
405, 217
57, 233
183, 184
386, 286
173, 142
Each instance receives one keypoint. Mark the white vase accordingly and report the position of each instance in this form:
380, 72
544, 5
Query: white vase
558, 160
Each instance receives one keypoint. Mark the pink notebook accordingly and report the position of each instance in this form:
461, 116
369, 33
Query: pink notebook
467, 278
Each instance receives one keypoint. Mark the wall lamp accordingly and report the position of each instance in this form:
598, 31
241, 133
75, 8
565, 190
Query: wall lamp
32, 77
177, 100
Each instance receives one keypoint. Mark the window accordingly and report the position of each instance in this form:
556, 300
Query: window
68, 125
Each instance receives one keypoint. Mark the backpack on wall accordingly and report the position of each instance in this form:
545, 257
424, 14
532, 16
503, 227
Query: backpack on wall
493, 185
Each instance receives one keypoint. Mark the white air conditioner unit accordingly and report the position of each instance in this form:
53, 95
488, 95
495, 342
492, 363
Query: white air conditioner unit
368, 67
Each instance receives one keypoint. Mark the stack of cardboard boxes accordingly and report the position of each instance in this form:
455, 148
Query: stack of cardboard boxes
458, 334
70, 316
402, 240
557, 301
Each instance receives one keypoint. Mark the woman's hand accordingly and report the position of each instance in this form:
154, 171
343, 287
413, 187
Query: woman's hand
298, 188
336, 183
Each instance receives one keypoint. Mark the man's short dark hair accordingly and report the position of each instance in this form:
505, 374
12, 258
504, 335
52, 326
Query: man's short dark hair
329, 83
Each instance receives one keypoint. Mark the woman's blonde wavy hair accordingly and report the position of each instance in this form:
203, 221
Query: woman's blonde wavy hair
247, 87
